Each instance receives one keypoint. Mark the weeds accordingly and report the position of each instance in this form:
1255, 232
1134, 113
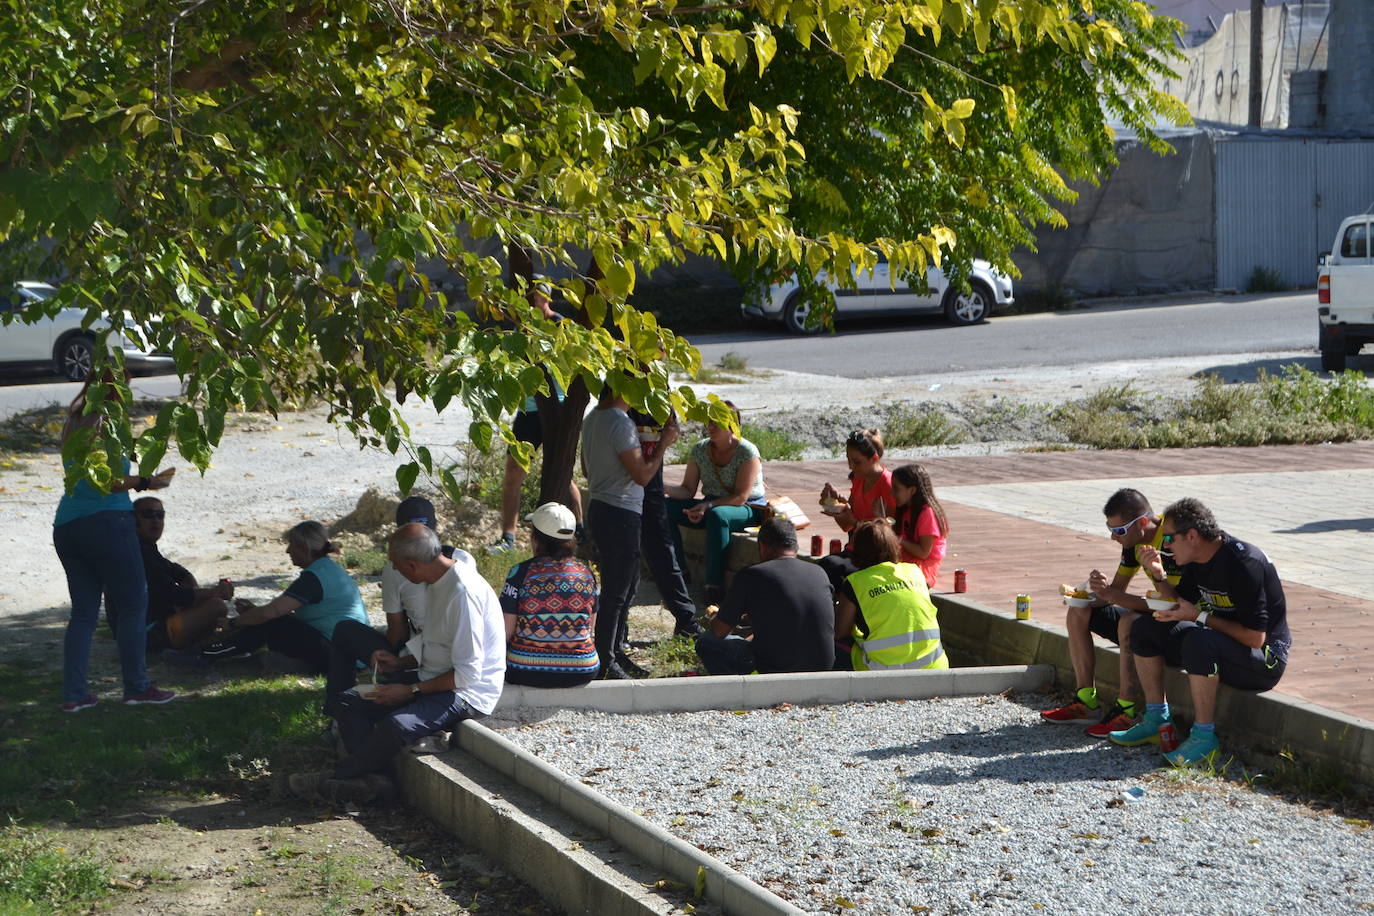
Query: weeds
365, 560
672, 656
926, 425
772, 444
1265, 280
36, 874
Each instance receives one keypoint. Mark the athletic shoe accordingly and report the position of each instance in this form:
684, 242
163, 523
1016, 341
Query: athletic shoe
1116, 720
1076, 713
613, 672
153, 696
1146, 731
1198, 747
629, 667
85, 702
436, 743
502, 545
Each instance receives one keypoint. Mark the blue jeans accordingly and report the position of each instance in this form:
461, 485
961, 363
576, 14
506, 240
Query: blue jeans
101, 556
720, 522
725, 654
373, 734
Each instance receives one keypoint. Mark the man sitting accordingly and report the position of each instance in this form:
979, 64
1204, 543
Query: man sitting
1133, 525
1230, 627
790, 605
460, 657
180, 613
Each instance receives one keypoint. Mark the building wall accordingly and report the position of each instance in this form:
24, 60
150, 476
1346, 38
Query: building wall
1350, 75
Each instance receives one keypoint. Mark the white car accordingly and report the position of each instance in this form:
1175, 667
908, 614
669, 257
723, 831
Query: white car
1345, 292
989, 290
59, 343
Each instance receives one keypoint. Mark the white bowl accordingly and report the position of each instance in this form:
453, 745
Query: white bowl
1161, 604
1078, 602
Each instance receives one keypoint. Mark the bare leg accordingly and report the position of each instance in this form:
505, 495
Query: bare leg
1129, 687
197, 622
1204, 690
1081, 650
511, 483
575, 501
1151, 672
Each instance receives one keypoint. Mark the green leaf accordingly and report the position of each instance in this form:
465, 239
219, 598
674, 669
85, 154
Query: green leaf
405, 477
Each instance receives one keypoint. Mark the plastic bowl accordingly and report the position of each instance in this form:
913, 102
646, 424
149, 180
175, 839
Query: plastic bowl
1161, 604
1071, 601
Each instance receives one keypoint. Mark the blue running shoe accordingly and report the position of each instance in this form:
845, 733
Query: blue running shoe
1146, 731
1198, 747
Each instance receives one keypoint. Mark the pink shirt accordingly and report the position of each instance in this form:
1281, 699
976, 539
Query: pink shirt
876, 502
926, 523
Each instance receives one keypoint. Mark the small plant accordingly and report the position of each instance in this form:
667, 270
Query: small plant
924, 426
1265, 280
36, 874
365, 561
672, 656
734, 362
773, 445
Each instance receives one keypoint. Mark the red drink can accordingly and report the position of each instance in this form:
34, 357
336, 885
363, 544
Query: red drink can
835, 545
1168, 737
960, 581
817, 545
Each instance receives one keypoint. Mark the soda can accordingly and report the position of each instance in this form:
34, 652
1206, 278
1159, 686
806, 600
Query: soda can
1168, 737
960, 581
835, 545
1023, 607
817, 545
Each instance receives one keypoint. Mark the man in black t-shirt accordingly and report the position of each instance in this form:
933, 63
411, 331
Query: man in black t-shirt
1230, 626
790, 605
180, 613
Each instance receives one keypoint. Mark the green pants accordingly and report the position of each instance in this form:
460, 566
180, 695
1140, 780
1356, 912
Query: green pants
720, 522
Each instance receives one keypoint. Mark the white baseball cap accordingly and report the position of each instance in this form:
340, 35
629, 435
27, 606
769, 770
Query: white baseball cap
554, 520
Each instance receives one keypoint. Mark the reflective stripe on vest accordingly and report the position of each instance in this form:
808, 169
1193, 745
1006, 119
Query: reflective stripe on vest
903, 632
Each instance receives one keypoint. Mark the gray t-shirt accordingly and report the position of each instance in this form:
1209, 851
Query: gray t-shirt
605, 434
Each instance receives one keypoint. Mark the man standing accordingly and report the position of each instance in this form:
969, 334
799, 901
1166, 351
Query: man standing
656, 537
617, 470
1230, 626
790, 605
461, 662
404, 604
1133, 525
180, 613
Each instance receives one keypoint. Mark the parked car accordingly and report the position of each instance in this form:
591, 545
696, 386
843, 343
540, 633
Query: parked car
874, 294
60, 342
1345, 293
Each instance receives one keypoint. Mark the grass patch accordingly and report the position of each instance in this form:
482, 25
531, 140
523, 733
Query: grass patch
66, 767
671, 656
39, 875
1265, 280
772, 444
732, 368
1296, 406
926, 425
365, 561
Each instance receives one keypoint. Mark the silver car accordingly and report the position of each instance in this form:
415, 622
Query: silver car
59, 343
874, 294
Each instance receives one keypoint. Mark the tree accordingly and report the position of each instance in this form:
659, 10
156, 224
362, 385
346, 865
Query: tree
259, 186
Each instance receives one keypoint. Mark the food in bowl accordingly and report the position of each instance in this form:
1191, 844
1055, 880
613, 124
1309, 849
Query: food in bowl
1158, 602
1076, 595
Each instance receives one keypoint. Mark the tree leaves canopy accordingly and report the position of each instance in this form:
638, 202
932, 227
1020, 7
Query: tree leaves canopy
262, 189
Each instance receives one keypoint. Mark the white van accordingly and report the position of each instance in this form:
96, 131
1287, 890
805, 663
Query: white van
1345, 292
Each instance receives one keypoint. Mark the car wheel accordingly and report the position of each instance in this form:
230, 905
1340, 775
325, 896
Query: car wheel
968, 307
74, 356
1333, 360
795, 313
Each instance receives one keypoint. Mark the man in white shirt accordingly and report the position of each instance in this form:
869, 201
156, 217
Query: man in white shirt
460, 663
404, 604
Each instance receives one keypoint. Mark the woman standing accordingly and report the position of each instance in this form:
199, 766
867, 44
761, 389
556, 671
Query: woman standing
885, 608
922, 529
95, 540
730, 473
549, 603
300, 621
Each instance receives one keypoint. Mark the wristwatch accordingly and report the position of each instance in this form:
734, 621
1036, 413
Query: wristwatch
415, 690
1202, 618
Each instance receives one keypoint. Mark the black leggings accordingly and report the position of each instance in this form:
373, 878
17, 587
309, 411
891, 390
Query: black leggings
1199, 650
286, 635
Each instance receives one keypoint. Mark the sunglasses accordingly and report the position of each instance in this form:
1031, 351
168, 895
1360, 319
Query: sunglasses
152, 513
1120, 530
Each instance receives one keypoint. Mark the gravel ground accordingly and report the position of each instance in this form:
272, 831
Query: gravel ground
960, 806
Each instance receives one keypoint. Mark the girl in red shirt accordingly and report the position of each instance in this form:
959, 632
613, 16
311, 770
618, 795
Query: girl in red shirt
921, 524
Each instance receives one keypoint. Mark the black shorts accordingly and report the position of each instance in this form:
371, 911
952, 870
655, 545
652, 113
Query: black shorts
1103, 621
527, 428
1204, 651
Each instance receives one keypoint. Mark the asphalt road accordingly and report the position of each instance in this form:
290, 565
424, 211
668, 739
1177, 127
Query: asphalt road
25, 392
1105, 333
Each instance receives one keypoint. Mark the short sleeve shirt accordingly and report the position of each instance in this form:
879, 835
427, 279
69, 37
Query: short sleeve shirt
1239, 583
606, 434
874, 502
1130, 561
718, 481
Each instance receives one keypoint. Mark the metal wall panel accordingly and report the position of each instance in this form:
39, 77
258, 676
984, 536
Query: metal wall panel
1279, 201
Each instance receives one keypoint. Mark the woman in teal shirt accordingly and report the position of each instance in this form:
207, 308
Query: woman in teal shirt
300, 621
729, 472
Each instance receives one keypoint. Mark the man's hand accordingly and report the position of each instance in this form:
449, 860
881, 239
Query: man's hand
1150, 561
1186, 610
391, 694
1101, 586
668, 435
386, 661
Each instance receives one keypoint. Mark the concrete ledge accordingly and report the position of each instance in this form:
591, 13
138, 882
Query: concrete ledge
580, 872
744, 551
759, 691
1271, 724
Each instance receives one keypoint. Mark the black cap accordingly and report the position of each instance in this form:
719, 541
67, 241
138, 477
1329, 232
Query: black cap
415, 509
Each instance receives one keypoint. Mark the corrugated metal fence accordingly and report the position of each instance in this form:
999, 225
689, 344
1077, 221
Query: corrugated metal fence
1279, 202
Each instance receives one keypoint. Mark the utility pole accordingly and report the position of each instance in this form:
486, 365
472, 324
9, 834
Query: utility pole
1256, 62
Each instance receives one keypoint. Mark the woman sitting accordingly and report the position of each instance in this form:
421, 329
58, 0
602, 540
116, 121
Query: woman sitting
300, 621
919, 519
549, 603
870, 496
885, 607
730, 473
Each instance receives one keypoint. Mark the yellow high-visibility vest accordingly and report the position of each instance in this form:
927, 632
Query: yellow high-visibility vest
902, 628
